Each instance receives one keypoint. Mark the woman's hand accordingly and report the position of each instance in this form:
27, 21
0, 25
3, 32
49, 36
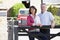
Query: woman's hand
39, 25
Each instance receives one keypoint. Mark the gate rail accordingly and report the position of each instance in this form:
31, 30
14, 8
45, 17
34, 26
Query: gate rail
19, 28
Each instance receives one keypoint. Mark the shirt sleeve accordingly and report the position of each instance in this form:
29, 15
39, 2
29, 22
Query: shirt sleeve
51, 16
29, 23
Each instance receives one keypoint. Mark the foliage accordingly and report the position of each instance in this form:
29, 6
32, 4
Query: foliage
53, 10
57, 19
15, 9
0, 1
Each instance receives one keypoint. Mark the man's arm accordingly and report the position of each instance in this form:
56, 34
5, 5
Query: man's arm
52, 23
52, 20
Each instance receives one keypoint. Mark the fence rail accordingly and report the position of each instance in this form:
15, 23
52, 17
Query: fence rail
19, 28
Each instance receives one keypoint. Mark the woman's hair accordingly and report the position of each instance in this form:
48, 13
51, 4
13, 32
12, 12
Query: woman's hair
33, 8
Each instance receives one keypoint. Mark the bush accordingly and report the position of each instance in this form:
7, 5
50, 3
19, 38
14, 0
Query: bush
15, 9
53, 10
57, 20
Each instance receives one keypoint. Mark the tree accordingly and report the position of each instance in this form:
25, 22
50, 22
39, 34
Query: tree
0, 1
15, 9
53, 10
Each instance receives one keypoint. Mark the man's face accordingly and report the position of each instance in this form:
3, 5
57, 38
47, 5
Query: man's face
43, 8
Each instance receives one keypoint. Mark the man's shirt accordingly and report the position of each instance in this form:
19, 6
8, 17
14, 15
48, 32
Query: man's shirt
46, 18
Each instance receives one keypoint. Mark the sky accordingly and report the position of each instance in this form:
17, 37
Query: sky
51, 1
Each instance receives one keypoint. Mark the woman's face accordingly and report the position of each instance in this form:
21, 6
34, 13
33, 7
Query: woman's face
32, 10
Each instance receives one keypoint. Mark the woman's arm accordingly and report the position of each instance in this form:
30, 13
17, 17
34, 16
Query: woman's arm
29, 19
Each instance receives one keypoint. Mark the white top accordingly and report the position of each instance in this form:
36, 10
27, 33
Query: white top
46, 18
36, 22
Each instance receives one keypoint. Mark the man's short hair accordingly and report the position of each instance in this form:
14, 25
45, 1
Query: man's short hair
43, 4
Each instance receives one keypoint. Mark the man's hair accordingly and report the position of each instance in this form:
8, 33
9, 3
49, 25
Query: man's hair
43, 4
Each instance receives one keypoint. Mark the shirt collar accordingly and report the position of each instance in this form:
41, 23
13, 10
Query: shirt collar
44, 12
31, 15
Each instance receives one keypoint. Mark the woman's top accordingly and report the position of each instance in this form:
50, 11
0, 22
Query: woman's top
32, 21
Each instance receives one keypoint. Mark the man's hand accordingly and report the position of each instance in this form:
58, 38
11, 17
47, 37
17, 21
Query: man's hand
39, 25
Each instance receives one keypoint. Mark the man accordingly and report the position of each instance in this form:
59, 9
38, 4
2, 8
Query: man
46, 19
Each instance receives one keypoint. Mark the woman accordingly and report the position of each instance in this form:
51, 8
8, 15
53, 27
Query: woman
33, 20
